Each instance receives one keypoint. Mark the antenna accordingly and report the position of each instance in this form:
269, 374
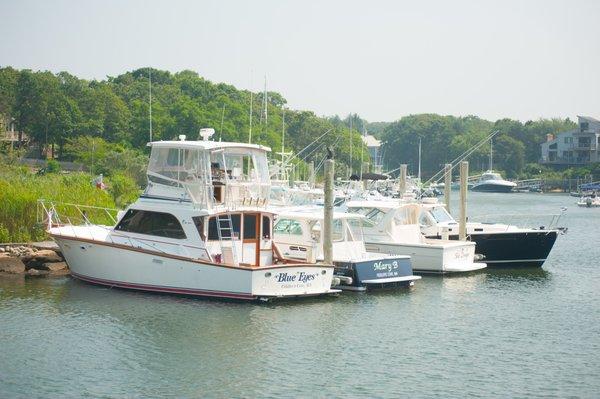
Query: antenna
351, 144
150, 92
491, 151
250, 130
282, 134
222, 119
419, 174
361, 153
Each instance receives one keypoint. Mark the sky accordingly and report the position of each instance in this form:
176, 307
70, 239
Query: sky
381, 59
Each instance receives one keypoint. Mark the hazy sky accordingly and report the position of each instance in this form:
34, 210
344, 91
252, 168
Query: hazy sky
381, 59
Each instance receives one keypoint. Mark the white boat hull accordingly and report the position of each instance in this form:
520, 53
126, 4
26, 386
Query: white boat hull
431, 258
129, 267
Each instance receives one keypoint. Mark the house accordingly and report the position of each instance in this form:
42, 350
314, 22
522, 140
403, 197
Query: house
374, 147
574, 147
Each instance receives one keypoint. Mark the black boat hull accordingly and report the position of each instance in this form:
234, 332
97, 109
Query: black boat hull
513, 249
492, 188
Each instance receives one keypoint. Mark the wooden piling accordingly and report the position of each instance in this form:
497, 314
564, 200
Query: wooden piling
464, 179
402, 183
328, 213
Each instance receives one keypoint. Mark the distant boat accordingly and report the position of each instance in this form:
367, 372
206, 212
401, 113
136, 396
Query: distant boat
492, 182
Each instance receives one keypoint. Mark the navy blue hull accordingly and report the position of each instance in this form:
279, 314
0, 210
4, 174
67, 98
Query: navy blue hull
368, 273
513, 249
492, 188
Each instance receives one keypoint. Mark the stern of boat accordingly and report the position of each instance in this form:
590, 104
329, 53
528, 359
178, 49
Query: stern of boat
292, 280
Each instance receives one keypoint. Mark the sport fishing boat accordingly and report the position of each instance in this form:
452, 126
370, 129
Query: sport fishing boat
392, 227
298, 237
502, 245
201, 228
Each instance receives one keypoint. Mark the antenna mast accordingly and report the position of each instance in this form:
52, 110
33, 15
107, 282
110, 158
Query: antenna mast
419, 174
491, 151
150, 92
282, 134
351, 144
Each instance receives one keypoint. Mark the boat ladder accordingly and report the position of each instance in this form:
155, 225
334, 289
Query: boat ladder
225, 230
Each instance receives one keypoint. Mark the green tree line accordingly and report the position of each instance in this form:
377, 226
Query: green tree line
516, 146
64, 113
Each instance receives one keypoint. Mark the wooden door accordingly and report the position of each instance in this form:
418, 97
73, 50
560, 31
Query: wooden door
251, 238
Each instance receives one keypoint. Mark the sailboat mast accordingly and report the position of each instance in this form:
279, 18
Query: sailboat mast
419, 173
491, 152
282, 134
351, 145
150, 99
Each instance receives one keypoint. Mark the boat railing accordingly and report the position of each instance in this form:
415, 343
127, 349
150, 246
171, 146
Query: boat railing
55, 213
61, 214
540, 220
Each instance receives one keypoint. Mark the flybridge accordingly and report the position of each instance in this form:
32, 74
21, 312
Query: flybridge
208, 173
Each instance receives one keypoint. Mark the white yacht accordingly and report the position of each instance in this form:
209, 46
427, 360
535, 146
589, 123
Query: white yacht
393, 228
492, 182
201, 228
298, 237
501, 245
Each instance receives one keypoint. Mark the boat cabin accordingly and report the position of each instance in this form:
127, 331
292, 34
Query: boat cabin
298, 235
208, 173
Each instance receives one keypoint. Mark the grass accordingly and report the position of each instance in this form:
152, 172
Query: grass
20, 190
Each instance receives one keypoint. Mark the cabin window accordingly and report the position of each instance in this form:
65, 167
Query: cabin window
373, 215
287, 226
441, 215
355, 233
199, 223
266, 227
337, 233
151, 223
213, 229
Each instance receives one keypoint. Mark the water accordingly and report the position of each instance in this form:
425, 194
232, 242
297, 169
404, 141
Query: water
533, 333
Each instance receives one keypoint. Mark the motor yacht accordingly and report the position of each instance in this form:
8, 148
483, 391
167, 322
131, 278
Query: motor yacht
500, 244
392, 227
298, 236
492, 182
201, 227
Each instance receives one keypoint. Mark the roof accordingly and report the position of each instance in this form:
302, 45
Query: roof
206, 145
589, 118
371, 141
317, 215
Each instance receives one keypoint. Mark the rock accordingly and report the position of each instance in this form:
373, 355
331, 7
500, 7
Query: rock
2, 250
54, 266
33, 264
10, 264
58, 273
35, 272
47, 255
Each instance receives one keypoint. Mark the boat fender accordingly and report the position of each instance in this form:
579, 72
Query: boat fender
478, 257
335, 282
347, 280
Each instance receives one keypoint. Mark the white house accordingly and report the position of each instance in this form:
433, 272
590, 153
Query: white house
574, 147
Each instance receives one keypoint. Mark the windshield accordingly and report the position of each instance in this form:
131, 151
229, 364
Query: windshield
441, 215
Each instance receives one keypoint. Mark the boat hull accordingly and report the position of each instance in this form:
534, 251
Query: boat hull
431, 258
381, 272
513, 249
133, 268
492, 188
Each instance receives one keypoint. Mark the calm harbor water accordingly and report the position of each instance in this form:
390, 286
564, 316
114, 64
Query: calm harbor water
494, 333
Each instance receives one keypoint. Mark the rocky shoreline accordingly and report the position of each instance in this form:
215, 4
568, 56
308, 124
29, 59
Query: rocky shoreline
31, 262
